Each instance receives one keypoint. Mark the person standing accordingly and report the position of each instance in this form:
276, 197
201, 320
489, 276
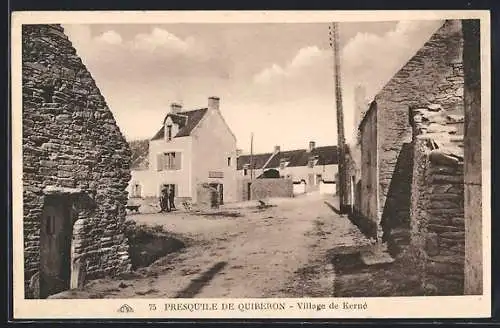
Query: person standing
164, 200
171, 197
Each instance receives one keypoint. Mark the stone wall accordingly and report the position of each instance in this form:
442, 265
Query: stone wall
434, 75
71, 144
366, 212
475, 163
267, 188
437, 202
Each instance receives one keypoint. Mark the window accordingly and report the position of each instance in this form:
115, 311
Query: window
169, 132
169, 161
229, 161
312, 161
245, 171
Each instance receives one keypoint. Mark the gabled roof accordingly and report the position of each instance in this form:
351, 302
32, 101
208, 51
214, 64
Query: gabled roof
187, 121
290, 156
259, 160
326, 155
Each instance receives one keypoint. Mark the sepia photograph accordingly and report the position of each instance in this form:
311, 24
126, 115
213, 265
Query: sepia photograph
339, 159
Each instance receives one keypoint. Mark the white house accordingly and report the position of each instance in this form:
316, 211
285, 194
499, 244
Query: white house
311, 166
192, 148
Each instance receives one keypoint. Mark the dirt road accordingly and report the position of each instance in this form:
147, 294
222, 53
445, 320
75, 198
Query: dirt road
259, 254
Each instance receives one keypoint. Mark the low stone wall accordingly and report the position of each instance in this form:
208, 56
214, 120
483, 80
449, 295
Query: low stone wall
327, 188
437, 212
267, 188
299, 188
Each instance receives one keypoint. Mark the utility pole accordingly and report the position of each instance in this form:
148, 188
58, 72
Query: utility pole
334, 43
251, 156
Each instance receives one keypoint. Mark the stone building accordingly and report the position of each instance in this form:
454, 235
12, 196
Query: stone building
312, 164
433, 76
310, 169
193, 152
437, 199
473, 161
75, 169
412, 157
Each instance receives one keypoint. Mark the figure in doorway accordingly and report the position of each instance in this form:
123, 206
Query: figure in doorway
165, 199
171, 197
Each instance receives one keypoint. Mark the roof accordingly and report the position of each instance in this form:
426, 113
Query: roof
259, 160
187, 121
326, 155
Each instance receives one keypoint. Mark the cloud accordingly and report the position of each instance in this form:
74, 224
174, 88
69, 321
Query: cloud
269, 73
160, 38
157, 54
305, 59
371, 60
110, 37
306, 56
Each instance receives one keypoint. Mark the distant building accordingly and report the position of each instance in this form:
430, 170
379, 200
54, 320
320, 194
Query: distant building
193, 148
310, 166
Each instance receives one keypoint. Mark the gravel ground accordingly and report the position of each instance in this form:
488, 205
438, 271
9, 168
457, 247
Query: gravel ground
297, 248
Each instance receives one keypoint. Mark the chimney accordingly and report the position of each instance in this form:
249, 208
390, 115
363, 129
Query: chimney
277, 149
213, 103
360, 103
312, 145
175, 108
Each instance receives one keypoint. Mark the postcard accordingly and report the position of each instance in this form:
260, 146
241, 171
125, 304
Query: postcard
264, 164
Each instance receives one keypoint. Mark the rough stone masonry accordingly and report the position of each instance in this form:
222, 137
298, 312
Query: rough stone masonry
434, 75
437, 200
71, 146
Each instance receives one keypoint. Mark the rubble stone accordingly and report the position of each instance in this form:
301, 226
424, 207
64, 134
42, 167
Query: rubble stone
63, 155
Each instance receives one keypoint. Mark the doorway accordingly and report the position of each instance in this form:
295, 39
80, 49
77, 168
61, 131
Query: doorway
221, 194
55, 245
249, 191
214, 197
167, 185
353, 195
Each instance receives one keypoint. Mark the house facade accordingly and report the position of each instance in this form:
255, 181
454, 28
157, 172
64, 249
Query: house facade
193, 149
76, 167
310, 166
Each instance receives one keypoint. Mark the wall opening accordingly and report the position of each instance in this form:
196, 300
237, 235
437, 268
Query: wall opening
55, 245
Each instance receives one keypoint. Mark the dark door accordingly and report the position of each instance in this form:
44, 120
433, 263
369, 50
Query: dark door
249, 191
55, 246
171, 186
221, 194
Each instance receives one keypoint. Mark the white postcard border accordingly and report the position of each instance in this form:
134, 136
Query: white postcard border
379, 307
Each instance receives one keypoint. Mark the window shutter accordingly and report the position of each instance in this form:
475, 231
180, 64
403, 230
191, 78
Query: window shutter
159, 162
177, 160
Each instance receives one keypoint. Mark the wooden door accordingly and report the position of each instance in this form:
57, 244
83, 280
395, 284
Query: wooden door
55, 246
249, 191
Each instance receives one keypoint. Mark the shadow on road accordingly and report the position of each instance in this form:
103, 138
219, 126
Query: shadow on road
355, 279
197, 284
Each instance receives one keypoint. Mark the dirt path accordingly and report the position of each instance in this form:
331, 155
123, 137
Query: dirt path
260, 254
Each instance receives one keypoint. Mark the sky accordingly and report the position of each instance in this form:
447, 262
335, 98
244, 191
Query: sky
274, 80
